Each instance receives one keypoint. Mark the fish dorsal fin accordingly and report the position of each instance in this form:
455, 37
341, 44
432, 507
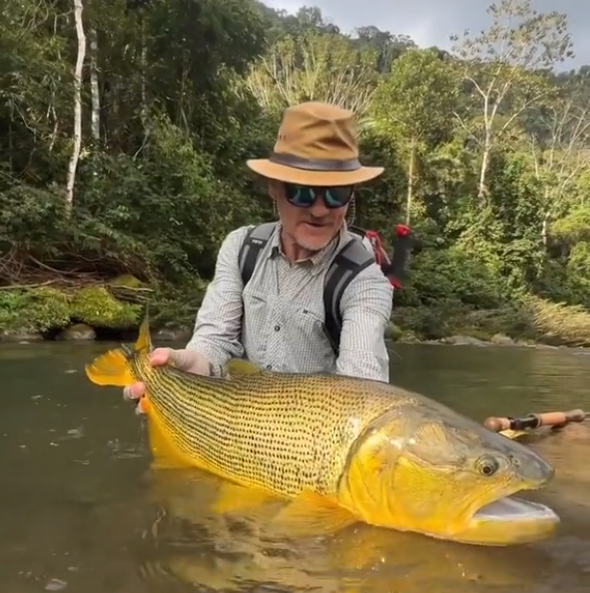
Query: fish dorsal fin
239, 366
144, 341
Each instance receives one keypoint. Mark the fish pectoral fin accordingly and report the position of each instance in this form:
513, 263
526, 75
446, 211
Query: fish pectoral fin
312, 514
239, 366
232, 498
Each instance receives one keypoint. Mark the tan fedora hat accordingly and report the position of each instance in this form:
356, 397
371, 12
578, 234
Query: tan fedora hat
316, 146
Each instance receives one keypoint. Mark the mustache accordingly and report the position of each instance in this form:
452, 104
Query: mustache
317, 220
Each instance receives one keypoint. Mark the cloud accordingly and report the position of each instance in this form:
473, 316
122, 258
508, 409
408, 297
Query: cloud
431, 22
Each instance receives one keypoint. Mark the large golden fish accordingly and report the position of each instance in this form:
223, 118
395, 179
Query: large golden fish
341, 449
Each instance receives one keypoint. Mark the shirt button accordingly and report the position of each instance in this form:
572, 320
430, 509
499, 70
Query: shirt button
277, 328
269, 367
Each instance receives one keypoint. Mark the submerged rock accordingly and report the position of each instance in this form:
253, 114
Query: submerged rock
78, 331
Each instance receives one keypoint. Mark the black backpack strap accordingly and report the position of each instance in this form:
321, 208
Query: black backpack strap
356, 230
351, 260
253, 244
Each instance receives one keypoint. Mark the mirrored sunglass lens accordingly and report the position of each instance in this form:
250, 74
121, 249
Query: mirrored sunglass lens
300, 195
334, 197
338, 196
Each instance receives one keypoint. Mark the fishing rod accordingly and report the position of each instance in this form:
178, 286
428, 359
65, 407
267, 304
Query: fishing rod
555, 420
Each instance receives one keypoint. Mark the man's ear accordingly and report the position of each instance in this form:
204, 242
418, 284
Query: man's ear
275, 189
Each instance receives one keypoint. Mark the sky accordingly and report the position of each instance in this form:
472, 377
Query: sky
431, 22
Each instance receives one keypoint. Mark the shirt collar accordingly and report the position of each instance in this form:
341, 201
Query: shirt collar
317, 260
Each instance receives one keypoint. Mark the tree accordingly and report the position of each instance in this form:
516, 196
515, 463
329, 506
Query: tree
415, 105
387, 46
502, 69
560, 147
314, 67
77, 144
33, 69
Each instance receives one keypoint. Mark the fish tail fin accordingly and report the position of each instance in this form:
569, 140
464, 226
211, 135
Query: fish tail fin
111, 368
114, 367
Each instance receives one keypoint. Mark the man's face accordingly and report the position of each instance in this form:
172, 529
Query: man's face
311, 227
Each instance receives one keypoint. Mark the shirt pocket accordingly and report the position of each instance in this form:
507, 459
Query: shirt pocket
308, 339
256, 320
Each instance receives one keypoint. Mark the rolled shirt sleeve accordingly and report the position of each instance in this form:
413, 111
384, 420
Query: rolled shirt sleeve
366, 307
218, 326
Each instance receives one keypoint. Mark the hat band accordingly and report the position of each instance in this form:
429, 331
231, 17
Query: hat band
297, 162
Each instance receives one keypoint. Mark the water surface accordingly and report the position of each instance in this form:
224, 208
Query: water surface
80, 509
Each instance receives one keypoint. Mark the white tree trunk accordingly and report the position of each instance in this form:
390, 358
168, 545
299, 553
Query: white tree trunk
71, 179
411, 181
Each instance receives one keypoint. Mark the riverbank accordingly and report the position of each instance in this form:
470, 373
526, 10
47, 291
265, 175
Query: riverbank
114, 310
529, 321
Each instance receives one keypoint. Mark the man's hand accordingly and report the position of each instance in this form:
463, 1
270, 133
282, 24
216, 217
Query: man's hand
187, 360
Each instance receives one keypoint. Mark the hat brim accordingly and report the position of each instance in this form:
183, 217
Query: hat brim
286, 174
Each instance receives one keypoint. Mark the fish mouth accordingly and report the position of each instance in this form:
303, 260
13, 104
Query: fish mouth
508, 521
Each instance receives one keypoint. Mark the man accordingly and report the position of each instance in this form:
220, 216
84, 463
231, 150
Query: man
276, 320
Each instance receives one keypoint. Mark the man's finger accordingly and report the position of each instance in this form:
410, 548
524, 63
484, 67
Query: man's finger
127, 393
161, 356
134, 392
191, 361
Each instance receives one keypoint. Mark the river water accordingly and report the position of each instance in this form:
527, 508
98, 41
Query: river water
81, 511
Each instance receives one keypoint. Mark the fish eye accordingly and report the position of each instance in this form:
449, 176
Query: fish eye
487, 466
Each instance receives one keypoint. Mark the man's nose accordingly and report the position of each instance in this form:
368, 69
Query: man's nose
318, 208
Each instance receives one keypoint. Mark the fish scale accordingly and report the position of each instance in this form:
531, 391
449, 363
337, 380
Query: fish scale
280, 432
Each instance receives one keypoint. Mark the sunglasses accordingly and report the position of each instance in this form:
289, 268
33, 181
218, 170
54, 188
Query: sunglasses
304, 196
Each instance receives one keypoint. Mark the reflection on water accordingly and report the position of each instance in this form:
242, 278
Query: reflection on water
223, 555
80, 509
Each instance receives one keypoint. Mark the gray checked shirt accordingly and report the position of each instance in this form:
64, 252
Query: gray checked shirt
276, 321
